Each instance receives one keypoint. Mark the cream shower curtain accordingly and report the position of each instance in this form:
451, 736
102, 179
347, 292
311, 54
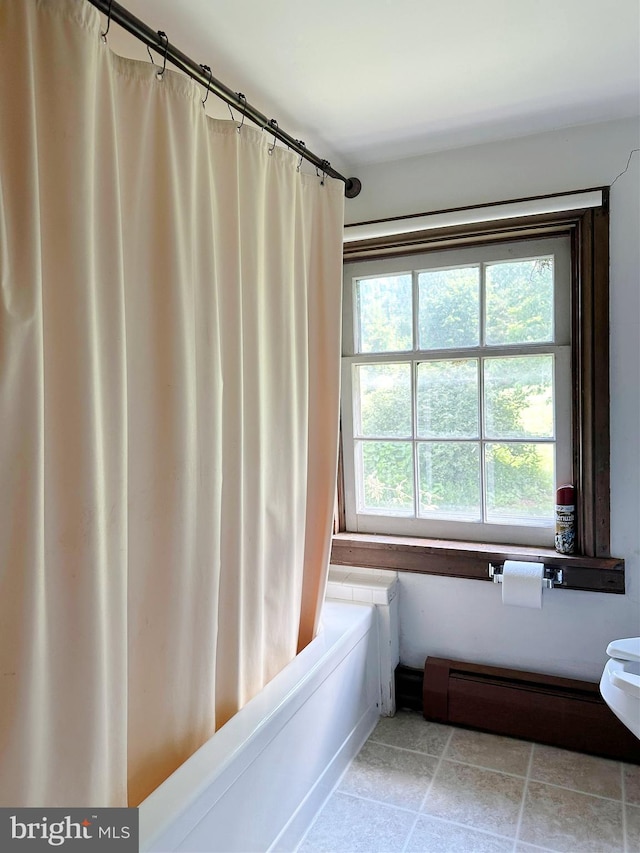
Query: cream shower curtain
169, 369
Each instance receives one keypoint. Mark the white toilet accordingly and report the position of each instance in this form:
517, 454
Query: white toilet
620, 682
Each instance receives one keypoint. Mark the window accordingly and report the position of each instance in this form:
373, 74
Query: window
581, 220
456, 392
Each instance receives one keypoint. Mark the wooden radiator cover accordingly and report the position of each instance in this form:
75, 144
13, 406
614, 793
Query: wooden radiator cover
562, 712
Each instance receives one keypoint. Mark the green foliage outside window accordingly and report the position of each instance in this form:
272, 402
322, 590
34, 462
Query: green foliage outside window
519, 476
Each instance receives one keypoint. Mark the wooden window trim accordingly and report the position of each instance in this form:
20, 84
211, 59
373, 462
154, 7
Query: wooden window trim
592, 567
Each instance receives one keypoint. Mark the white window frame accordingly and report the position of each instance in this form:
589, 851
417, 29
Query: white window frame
525, 534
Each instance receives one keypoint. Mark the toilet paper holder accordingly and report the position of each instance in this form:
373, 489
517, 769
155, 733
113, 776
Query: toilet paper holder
551, 577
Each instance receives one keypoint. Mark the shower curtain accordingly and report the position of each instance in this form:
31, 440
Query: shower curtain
169, 371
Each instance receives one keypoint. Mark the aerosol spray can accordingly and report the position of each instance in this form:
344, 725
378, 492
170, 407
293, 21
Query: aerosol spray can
565, 520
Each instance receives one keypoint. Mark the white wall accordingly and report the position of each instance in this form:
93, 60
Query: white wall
465, 619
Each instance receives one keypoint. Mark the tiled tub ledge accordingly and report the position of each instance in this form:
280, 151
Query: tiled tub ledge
365, 586
378, 588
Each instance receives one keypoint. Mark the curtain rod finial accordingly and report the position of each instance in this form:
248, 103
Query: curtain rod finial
352, 187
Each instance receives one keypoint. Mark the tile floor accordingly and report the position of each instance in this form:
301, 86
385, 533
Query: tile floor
422, 787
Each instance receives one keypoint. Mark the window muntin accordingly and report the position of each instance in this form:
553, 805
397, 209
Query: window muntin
464, 429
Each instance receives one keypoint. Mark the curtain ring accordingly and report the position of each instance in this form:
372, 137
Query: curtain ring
273, 124
243, 99
160, 74
302, 145
206, 68
103, 35
324, 166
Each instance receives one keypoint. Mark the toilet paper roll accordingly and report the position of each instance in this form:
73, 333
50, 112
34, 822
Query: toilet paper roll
522, 583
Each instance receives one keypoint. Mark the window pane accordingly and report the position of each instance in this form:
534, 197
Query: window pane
448, 399
385, 400
519, 301
385, 309
518, 397
386, 476
450, 479
519, 480
449, 313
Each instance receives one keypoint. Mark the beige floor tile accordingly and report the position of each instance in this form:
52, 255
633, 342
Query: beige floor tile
632, 783
473, 804
496, 753
569, 821
437, 836
390, 775
482, 799
411, 731
349, 824
633, 829
585, 773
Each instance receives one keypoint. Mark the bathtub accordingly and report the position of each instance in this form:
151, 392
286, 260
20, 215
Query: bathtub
258, 782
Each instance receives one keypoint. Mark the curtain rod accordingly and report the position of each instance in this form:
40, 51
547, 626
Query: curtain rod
129, 22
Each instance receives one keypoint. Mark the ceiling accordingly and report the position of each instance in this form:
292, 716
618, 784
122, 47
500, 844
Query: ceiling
366, 81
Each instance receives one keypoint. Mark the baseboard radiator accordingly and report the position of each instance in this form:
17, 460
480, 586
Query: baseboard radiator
561, 712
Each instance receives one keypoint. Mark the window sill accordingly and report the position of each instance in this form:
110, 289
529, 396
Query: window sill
471, 559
